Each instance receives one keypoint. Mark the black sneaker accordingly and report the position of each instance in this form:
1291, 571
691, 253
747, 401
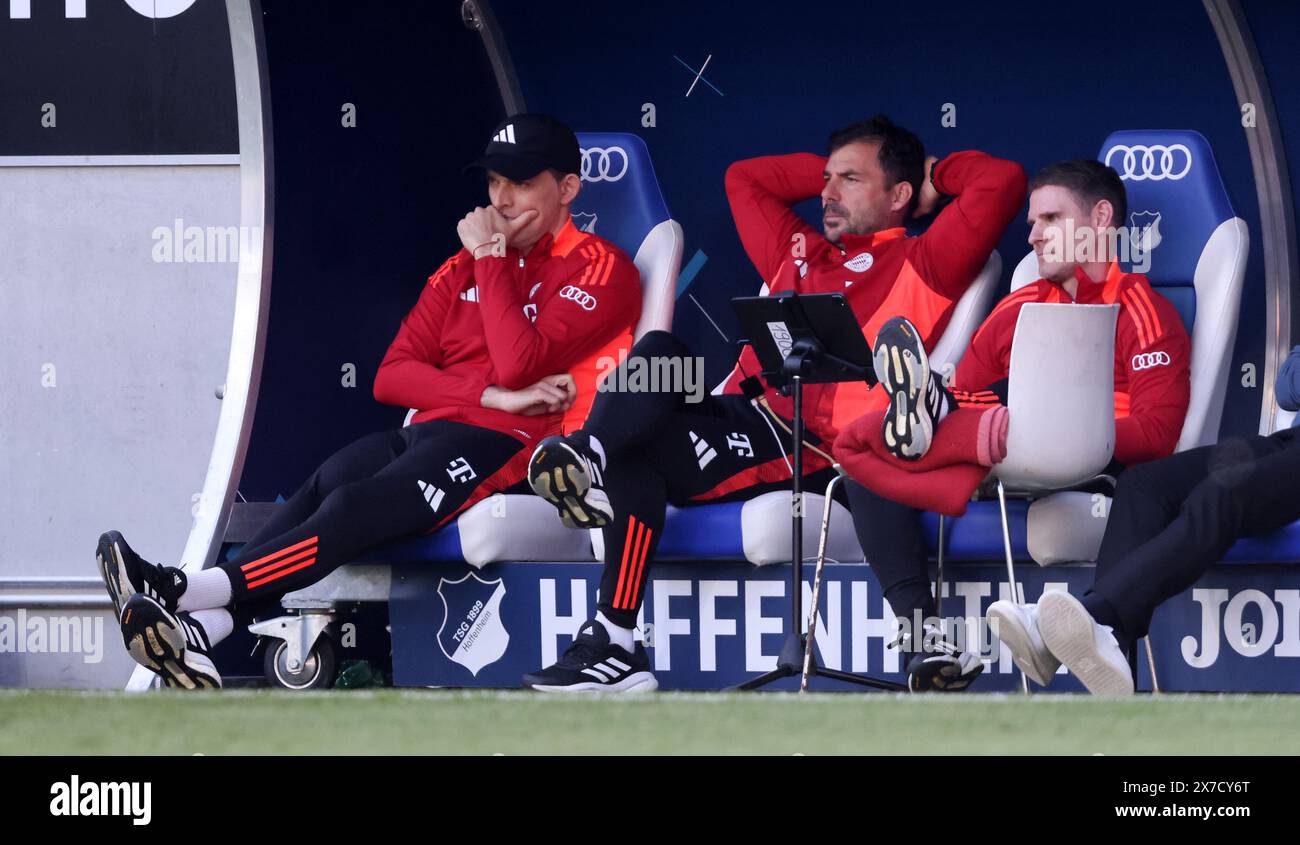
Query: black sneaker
916, 395
593, 664
569, 473
125, 573
172, 645
940, 666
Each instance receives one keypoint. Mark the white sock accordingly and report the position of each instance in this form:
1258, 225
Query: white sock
217, 623
205, 589
621, 637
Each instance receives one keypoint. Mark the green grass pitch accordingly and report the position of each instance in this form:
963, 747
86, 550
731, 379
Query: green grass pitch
510, 723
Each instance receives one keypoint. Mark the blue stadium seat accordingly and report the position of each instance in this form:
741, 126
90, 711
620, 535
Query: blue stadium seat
621, 201
1197, 254
1198, 248
1281, 546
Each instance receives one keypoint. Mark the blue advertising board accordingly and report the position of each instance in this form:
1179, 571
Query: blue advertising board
710, 625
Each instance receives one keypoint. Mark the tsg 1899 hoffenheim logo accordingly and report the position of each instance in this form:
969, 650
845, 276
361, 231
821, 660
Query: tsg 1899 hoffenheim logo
1145, 228
471, 633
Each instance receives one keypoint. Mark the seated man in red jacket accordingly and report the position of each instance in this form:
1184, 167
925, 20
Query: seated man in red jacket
487, 357
641, 449
933, 445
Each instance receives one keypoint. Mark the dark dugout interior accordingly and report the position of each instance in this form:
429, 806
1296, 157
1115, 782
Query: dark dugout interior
363, 215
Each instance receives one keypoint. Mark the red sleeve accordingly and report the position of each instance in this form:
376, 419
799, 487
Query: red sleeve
567, 329
987, 358
761, 192
989, 192
410, 374
1149, 332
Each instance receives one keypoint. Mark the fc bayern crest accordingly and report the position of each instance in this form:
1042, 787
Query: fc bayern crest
861, 262
472, 633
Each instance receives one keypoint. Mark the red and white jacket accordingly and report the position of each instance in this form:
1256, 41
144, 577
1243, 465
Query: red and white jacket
882, 275
569, 304
1152, 358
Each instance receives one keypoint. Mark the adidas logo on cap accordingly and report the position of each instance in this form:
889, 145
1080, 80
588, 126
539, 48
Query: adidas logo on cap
505, 136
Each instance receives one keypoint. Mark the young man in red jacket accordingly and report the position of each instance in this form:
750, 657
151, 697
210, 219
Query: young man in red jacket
486, 358
640, 450
905, 465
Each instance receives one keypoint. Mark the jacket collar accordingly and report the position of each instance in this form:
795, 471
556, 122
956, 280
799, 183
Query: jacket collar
1106, 291
853, 243
560, 244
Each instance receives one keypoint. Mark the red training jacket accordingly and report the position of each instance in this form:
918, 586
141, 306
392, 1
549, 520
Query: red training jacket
1152, 358
570, 302
883, 274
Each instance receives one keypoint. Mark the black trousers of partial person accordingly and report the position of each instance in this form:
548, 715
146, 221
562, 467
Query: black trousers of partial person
1173, 518
664, 445
384, 486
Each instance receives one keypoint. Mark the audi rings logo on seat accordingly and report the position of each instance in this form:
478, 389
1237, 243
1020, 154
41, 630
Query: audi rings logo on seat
603, 164
1139, 163
1147, 360
586, 300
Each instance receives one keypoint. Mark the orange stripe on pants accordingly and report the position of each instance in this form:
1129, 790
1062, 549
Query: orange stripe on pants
640, 568
629, 543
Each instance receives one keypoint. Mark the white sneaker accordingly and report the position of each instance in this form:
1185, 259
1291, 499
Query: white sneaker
1016, 627
1087, 649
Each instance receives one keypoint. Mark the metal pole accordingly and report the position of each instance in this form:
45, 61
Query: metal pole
817, 582
1151, 665
1016, 595
796, 537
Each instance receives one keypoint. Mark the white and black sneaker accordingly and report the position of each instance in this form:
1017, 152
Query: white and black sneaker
125, 573
171, 644
939, 665
1087, 649
569, 472
917, 398
1016, 627
594, 664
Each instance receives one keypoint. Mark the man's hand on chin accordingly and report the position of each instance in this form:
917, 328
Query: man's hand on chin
486, 231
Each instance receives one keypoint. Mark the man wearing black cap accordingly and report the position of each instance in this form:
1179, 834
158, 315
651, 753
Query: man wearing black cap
500, 345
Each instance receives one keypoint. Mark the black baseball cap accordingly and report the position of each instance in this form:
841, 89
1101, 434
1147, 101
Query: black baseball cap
524, 145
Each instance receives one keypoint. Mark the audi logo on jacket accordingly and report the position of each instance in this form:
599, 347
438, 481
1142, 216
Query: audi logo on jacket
510, 320
1152, 358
